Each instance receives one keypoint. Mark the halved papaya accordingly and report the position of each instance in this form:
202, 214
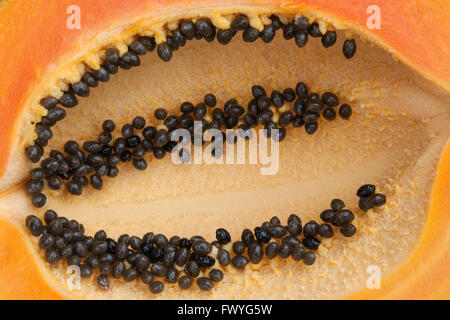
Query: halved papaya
397, 83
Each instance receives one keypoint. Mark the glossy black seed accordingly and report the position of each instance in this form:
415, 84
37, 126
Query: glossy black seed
43, 132
297, 121
216, 275
103, 282
285, 250
118, 269
329, 114
325, 230
37, 174
377, 199
289, 31
277, 231
224, 36
34, 187
106, 268
108, 126
130, 274
184, 282
285, 118
223, 236
156, 287
68, 100
137, 47
56, 114
223, 256
327, 215
337, 204
179, 38
34, 224
187, 28
101, 74
238, 247
39, 200
365, 190
73, 260
121, 251
182, 256
311, 117
272, 250
239, 262
164, 51
192, 268
329, 39
231, 122
81, 249
203, 261
100, 235
46, 241
112, 56
314, 30
172, 275
277, 24
112, 245
258, 91
349, 48
126, 156
311, 127
262, 235
65, 252
297, 253
255, 253
146, 277
294, 228
87, 240
311, 243
204, 27
92, 261
342, 217
309, 258
311, 229
239, 23
49, 216
301, 90
110, 67
34, 153
291, 241
55, 227
160, 114
345, 111
130, 59
268, 33
89, 79
199, 111
49, 102
250, 34
81, 89
301, 38
330, 99
92, 146
67, 235
247, 237
159, 153
51, 255
204, 283
348, 230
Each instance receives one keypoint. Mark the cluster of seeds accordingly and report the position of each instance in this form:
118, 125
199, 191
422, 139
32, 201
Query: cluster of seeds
299, 29
78, 166
155, 258
368, 199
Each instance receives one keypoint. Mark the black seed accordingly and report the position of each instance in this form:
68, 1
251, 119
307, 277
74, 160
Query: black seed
178, 38
377, 199
54, 183
89, 79
250, 34
272, 250
81, 89
65, 252
311, 127
39, 200
329, 39
68, 100
239, 23
349, 48
184, 282
73, 260
56, 114
49, 216
314, 30
137, 47
159, 153
325, 230
294, 228
160, 114
112, 56
345, 111
108, 125
43, 132
247, 237
297, 253
277, 24
130, 59
118, 269
92, 261
34, 224
311, 243
301, 23
337, 204
101, 74
301, 38
285, 250
289, 31
223, 256
100, 235
297, 122
182, 256
130, 274
262, 235
301, 90
34, 187
224, 36
103, 282
37, 174
309, 258
55, 227
268, 33
192, 269
199, 111
330, 99
327, 215
311, 229
204, 283
290, 241
156, 287
365, 190
81, 249
110, 67
239, 262
329, 114
147, 277
164, 51
172, 275
223, 236
49, 102
203, 261
238, 247
106, 268
255, 252
148, 43
277, 231
51, 255
188, 29
34, 153
348, 230
46, 241
204, 28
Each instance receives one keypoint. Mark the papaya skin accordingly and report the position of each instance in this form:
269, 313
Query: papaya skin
424, 275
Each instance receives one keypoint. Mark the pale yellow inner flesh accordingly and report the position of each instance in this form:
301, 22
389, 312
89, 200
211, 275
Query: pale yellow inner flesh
393, 140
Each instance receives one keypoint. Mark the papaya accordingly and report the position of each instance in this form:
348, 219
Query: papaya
93, 207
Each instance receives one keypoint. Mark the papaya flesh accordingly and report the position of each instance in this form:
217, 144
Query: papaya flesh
396, 139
